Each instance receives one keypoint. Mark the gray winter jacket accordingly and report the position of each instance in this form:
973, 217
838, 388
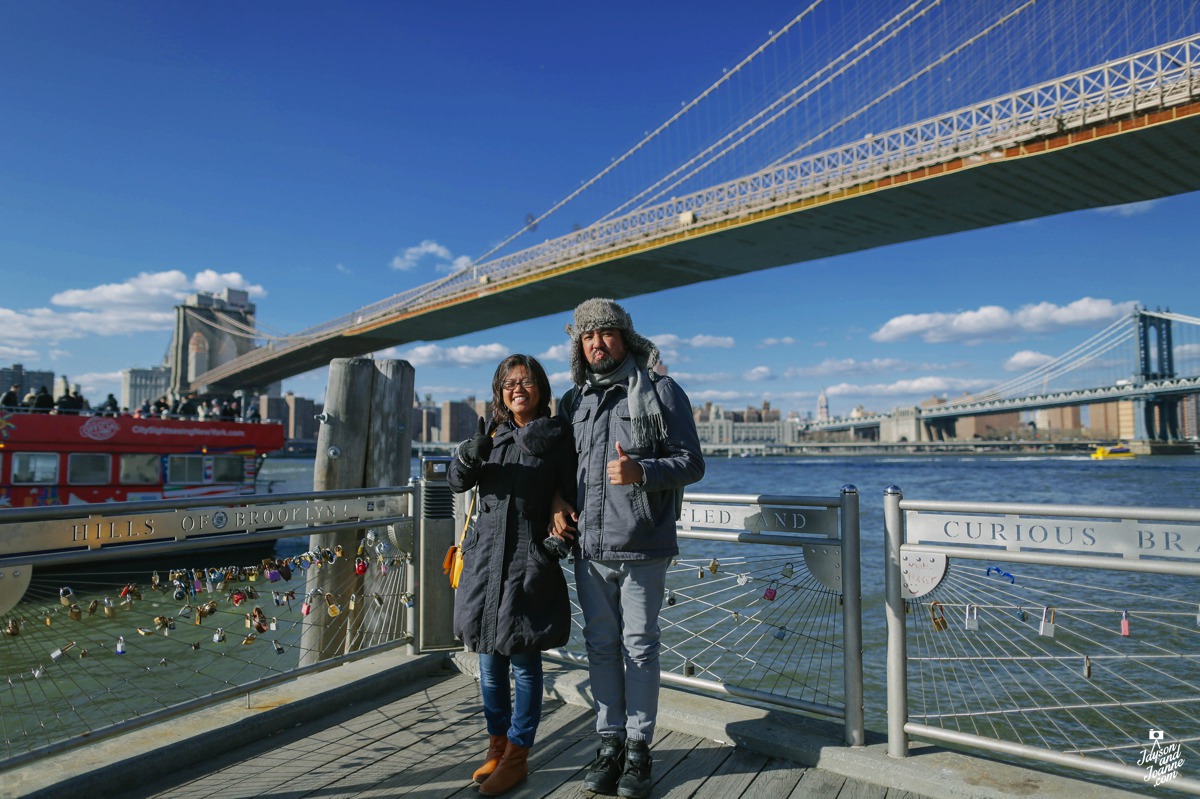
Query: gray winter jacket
630, 522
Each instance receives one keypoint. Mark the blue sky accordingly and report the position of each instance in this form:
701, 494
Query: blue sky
325, 156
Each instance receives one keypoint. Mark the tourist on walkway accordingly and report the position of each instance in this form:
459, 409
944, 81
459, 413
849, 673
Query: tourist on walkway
11, 401
638, 448
512, 597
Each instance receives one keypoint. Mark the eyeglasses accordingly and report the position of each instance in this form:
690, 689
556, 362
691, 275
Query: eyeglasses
511, 385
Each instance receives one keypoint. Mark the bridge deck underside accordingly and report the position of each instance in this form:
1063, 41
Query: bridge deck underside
1095, 168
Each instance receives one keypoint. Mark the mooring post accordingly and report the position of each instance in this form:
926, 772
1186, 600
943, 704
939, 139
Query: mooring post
364, 442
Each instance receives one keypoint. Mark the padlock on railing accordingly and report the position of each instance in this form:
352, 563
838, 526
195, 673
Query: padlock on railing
331, 606
788, 570
120, 645
770, 592
278, 647
937, 617
12, 627
1125, 623
219, 636
66, 596
713, 565
1046, 628
110, 608
75, 612
971, 622
407, 600
360, 566
670, 597
306, 607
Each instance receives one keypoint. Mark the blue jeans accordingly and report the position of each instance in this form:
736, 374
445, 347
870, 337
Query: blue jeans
518, 723
620, 600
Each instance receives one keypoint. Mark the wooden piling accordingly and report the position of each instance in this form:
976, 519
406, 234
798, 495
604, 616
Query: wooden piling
364, 442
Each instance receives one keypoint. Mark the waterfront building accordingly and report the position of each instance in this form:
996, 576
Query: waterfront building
142, 385
1112, 420
822, 407
24, 379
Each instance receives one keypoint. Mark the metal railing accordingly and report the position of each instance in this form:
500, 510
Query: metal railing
122, 615
763, 604
1062, 634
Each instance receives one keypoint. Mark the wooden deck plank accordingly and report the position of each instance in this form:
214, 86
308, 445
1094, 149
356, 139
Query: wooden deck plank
817, 784
426, 740
732, 778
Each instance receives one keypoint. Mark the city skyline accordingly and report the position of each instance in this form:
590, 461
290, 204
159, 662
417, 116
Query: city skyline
325, 160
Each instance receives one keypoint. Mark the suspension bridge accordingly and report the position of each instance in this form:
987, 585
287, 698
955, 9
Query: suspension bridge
845, 131
1142, 358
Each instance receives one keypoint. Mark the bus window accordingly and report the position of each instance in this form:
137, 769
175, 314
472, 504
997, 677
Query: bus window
35, 467
185, 470
141, 468
228, 469
88, 468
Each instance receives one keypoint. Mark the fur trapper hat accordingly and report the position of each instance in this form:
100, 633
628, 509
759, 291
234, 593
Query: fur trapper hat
598, 313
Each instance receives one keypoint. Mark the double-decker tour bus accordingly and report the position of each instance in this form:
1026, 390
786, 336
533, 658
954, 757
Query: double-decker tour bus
52, 459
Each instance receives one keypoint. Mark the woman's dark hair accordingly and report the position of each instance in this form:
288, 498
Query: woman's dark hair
500, 411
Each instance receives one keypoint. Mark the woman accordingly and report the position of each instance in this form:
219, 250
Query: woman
512, 597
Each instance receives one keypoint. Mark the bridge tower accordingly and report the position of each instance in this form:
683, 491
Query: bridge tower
1156, 361
210, 329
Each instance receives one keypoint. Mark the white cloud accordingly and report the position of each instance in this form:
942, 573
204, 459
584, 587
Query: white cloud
1187, 351
559, 352
758, 373
412, 257
342, 268
16, 353
701, 377
98, 384
920, 386
669, 340
141, 304
436, 355
1130, 209
992, 321
771, 342
1026, 360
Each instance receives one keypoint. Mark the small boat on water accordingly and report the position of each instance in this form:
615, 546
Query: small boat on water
1112, 453
53, 459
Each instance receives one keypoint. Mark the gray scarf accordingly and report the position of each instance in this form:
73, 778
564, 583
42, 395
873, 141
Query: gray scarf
645, 412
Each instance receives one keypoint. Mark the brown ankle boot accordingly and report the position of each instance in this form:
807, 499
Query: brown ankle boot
496, 746
513, 768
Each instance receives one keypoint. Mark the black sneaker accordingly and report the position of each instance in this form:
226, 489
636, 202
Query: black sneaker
635, 782
605, 770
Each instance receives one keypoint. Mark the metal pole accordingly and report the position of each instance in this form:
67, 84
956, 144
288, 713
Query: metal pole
852, 618
897, 657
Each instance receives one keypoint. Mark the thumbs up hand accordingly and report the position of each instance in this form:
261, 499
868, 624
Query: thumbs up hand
625, 470
475, 450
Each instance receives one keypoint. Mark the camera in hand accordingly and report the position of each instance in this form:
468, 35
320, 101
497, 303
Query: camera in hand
556, 547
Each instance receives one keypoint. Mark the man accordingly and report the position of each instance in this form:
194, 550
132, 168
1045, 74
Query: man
638, 448
11, 400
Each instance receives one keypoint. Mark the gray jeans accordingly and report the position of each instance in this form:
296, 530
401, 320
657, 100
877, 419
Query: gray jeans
620, 600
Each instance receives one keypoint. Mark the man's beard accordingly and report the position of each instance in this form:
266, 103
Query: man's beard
606, 364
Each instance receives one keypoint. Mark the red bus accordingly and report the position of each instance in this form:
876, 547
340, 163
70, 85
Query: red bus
52, 459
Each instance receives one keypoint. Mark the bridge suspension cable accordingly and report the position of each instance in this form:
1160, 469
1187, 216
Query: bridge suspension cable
1116, 334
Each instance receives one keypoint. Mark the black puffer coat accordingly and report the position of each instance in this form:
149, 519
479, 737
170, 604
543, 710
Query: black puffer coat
512, 596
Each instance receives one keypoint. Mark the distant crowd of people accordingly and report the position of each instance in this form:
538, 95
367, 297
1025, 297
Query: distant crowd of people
188, 406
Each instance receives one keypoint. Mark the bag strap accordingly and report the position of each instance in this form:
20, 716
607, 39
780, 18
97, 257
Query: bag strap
470, 511
467, 523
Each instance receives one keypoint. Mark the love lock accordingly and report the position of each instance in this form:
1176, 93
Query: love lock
971, 624
937, 617
360, 566
66, 596
769, 593
1047, 626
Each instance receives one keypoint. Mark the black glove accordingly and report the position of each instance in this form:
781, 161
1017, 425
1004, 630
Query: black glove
475, 450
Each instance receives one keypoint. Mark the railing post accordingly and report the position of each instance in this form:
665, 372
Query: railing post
438, 530
852, 618
897, 655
